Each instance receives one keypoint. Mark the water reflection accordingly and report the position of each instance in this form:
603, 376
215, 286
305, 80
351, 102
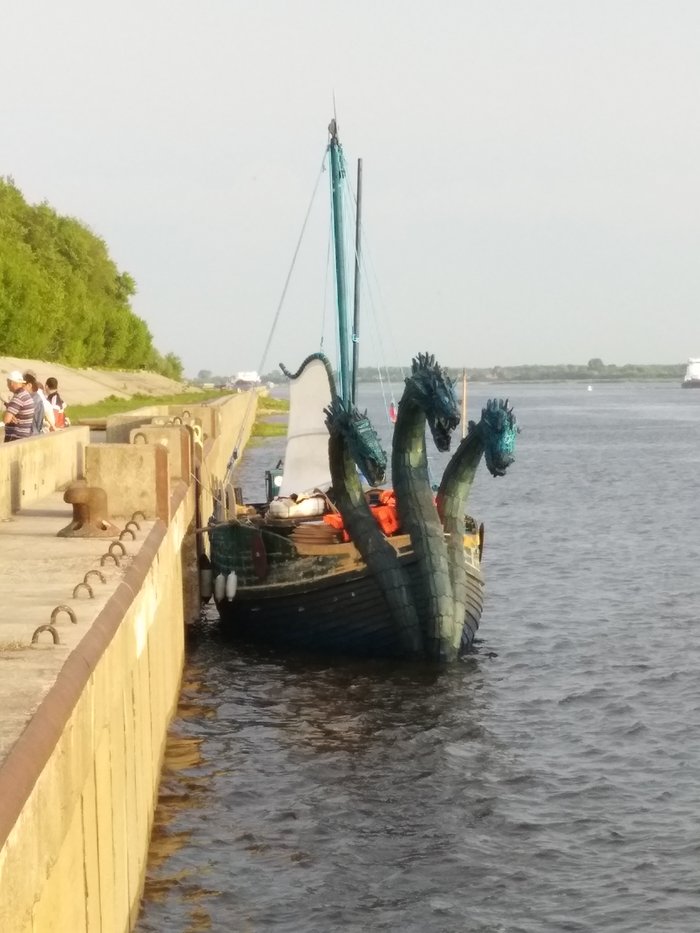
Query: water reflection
295, 754
185, 786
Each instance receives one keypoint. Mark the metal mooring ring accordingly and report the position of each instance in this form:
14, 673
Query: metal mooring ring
116, 544
98, 573
73, 617
127, 531
77, 587
138, 512
46, 628
106, 557
132, 522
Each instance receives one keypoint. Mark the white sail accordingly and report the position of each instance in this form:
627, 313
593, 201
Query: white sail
306, 457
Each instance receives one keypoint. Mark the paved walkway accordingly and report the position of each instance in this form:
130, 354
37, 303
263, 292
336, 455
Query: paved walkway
39, 571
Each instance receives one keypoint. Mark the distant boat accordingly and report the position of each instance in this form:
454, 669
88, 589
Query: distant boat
243, 381
691, 380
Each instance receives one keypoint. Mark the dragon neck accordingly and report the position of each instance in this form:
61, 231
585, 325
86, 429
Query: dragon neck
375, 550
452, 496
409, 460
458, 478
432, 587
348, 491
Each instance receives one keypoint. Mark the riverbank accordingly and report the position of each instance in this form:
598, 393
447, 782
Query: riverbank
86, 386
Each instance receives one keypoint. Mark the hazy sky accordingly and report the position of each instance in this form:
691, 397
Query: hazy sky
531, 167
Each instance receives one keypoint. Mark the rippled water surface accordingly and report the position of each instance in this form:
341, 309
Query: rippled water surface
549, 782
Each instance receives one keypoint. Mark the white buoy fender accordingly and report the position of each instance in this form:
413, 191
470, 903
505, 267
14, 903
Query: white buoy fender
231, 584
219, 587
205, 581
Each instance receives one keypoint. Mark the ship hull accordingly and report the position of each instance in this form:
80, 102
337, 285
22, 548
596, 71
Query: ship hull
326, 601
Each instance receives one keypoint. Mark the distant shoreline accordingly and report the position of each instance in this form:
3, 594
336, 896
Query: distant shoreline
591, 380
594, 371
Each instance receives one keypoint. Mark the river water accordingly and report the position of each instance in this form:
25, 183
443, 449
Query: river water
549, 782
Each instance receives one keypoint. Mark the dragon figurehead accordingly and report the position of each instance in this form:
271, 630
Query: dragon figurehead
431, 388
499, 431
428, 397
493, 438
359, 437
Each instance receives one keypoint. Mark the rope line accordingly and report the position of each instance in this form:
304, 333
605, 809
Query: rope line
365, 261
263, 360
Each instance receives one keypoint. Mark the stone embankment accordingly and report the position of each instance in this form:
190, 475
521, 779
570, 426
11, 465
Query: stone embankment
92, 648
86, 386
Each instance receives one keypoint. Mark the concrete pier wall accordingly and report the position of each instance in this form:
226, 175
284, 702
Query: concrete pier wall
35, 466
234, 422
78, 788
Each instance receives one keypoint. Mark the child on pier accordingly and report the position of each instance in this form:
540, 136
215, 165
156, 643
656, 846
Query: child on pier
57, 403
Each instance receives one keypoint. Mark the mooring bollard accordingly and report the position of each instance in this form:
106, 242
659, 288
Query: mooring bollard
89, 513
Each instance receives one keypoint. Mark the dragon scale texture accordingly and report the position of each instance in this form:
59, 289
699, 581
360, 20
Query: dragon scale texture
353, 441
493, 436
428, 397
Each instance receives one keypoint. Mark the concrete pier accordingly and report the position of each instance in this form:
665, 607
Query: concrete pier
91, 655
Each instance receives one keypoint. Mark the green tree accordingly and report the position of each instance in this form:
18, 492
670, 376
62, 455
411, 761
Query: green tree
62, 298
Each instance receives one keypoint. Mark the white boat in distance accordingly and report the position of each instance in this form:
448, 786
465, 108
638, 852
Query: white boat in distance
248, 379
691, 380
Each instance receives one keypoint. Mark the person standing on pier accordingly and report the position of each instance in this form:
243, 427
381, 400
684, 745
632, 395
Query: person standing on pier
59, 406
19, 413
44, 418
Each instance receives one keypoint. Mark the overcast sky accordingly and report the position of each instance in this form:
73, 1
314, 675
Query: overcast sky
531, 167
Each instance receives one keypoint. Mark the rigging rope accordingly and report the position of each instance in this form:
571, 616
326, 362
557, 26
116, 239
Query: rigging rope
367, 281
263, 361
324, 305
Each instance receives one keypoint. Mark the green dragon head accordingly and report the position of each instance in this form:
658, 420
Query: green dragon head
360, 437
432, 388
499, 431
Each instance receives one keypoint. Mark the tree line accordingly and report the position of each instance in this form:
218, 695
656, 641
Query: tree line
595, 370
62, 299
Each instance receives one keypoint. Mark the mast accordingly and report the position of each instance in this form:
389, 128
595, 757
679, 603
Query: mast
464, 403
337, 176
356, 304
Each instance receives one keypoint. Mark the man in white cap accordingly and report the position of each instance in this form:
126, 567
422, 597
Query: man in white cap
19, 413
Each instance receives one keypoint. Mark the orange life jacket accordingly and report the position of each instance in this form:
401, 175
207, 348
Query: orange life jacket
385, 515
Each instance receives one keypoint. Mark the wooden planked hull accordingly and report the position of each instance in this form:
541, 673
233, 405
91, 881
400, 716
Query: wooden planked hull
340, 611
